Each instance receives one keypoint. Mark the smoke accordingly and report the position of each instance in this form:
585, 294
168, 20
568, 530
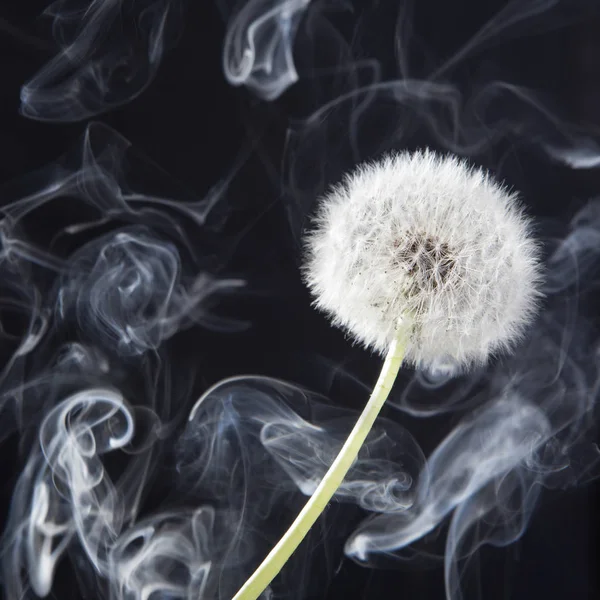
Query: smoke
64, 490
95, 311
251, 442
109, 51
258, 48
125, 296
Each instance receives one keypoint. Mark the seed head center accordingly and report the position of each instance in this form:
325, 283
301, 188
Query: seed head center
428, 260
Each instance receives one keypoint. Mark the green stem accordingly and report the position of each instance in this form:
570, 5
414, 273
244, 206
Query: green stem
334, 477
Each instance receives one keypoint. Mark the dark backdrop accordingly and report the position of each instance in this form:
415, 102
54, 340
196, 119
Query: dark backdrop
519, 92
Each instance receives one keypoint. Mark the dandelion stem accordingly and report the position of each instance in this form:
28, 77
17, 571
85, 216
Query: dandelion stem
334, 477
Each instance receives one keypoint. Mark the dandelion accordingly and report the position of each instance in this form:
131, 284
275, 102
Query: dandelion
423, 259
428, 237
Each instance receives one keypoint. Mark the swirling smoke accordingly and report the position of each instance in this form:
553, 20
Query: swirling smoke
125, 486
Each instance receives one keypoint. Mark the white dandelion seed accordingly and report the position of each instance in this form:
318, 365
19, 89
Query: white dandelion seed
429, 238
424, 259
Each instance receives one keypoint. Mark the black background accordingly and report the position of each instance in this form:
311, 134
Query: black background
195, 126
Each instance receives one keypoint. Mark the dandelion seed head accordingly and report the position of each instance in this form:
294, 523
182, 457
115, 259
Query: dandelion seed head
425, 237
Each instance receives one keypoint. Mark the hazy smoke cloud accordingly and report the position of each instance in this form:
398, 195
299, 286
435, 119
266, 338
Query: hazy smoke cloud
108, 53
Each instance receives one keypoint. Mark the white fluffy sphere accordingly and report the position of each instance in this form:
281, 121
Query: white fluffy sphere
425, 237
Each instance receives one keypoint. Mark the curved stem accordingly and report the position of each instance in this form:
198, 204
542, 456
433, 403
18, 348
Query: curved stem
334, 477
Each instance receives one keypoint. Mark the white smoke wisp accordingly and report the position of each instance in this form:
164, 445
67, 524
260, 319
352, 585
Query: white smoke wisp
252, 442
304, 449
258, 47
64, 490
126, 292
109, 52
82, 320
171, 553
148, 302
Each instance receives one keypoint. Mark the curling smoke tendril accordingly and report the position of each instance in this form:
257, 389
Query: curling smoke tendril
132, 288
109, 52
258, 49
